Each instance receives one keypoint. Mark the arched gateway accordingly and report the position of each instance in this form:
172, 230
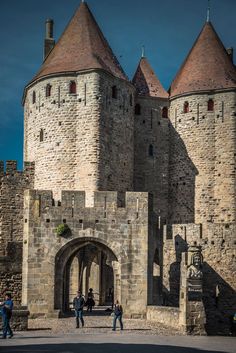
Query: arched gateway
85, 263
105, 246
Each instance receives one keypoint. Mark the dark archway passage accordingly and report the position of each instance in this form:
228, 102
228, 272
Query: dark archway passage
82, 265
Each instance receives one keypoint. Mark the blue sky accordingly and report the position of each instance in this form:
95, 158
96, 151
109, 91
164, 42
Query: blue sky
166, 28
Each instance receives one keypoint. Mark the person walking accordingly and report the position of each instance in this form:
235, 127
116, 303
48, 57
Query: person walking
7, 307
78, 304
90, 300
118, 312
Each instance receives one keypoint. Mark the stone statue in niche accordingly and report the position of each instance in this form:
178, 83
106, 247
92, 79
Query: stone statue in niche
195, 268
194, 273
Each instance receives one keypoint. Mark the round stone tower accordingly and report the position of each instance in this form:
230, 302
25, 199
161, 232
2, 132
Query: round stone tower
203, 148
79, 114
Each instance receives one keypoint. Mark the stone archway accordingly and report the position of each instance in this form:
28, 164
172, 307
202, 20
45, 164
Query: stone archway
75, 263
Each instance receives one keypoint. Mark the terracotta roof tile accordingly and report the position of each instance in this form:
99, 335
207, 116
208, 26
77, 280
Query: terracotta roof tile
146, 82
207, 66
82, 46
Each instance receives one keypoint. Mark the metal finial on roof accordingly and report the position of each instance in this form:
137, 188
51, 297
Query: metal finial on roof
143, 51
208, 11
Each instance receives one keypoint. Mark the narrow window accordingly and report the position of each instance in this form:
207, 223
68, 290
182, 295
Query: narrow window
223, 111
114, 92
131, 100
34, 97
210, 105
72, 88
186, 107
41, 135
164, 112
137, 109
150, 150
48, 90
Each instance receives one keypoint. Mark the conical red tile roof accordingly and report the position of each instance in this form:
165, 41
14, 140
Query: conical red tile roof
207, 66
82, 46
146, 82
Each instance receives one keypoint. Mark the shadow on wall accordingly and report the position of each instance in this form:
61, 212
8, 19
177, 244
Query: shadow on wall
182, 174
171, 296
103, 348
219, 300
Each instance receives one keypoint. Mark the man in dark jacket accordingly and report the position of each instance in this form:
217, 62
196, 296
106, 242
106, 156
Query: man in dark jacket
78, 304
7, 307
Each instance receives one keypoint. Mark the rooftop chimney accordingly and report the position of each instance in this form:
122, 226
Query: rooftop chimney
230, 52
49, 42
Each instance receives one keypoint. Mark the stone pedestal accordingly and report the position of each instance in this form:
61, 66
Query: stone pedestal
192, 312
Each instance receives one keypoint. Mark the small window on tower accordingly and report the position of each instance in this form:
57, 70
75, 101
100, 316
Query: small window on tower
48, 90
34, 97
186, 107
114, 92
210, 105
41, 135
131, 100
150, 150
137, 109
165, 112
72, 87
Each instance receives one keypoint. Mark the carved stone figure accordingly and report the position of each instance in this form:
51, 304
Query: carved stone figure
194, 270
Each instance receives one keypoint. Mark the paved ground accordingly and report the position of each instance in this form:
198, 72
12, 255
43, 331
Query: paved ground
139, 336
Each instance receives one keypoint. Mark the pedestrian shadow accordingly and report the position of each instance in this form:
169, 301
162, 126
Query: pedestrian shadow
102, 348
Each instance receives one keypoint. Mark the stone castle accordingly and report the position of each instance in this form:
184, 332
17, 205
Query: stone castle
124, 185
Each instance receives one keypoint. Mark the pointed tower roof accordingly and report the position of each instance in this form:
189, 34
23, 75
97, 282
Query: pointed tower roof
146, 82
207, 66
82, 46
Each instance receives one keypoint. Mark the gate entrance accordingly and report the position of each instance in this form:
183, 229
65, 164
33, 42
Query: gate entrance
87, 265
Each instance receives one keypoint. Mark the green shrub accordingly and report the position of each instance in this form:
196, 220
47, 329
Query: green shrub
62, 229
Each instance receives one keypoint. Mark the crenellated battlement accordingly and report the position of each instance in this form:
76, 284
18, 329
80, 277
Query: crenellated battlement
207, 235
72, 205
11, 168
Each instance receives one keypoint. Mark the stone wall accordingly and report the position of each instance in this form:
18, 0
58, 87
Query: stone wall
202, 159
11, 272
219, 268
151, 169
116, 135
87, 137
167, 316
124, 233
12, 186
